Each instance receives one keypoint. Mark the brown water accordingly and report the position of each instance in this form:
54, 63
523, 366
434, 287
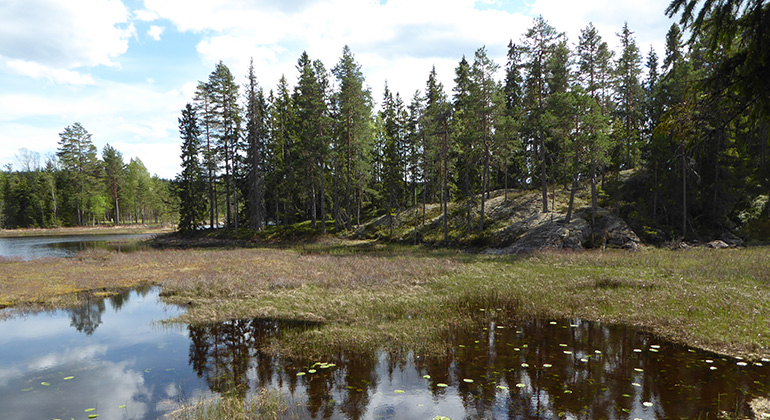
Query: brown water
114, 357
528, 370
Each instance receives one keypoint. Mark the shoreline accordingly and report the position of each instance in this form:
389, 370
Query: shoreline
84, 230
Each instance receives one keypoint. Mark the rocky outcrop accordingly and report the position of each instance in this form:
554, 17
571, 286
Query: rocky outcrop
545, 231
514, 223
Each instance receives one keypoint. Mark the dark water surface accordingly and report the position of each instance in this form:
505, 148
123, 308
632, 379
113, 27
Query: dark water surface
112, 355
35, 247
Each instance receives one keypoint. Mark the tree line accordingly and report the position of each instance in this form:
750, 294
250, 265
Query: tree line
564, 116
76, 187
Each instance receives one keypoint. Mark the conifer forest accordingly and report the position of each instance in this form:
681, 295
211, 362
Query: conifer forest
677, 144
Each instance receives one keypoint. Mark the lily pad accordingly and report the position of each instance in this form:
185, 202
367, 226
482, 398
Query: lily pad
67, 378
426, 377
88, 410
45, 384
301, 373
647, 404
398, 391
468, 381
504, 388
520, 385
122, 406
311, 371
547, 365
441, 385
638, 370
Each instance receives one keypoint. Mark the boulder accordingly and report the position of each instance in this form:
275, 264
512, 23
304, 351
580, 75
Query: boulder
717, 245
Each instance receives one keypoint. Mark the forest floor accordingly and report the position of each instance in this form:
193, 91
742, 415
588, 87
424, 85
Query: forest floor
366, 294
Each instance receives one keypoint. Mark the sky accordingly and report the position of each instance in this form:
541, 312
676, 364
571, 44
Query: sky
124, 69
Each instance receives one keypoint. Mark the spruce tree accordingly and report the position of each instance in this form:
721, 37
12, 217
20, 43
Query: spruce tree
189, 183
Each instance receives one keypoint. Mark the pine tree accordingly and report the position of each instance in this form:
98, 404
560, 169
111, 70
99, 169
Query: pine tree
593, 62
189, 183
437, 142
539, 45
488, 109
223, 93
354, 104
628, 96
114, 172
310, 100
77, 155
392, 165
205, 109
257, 152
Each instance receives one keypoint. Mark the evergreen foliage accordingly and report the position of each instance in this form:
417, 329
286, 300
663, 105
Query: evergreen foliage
687, 136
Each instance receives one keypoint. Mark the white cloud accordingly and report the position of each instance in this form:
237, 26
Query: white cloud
646, 18
155, 32
64, 34
145, 15
139, 120
399, 41
53, 75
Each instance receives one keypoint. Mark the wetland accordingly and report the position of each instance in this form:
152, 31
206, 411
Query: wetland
360, 329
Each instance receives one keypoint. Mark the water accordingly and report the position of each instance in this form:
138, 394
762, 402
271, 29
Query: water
113, 356
30, 248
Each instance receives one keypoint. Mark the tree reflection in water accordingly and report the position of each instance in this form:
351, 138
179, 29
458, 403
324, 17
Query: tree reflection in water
574, 368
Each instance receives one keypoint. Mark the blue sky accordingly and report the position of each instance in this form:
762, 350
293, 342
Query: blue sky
125, 69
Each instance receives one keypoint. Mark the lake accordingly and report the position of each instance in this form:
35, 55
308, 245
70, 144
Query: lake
115, 357
35, 247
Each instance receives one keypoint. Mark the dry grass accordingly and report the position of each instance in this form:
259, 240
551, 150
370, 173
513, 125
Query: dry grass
85, 230
367, 296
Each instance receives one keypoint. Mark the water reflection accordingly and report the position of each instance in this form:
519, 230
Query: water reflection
110, 353
533, 370
30, 248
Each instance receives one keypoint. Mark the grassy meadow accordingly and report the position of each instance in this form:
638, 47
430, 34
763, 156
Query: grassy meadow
366, 294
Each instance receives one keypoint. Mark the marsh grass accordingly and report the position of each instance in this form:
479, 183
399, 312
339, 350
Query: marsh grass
368, 295
266, 405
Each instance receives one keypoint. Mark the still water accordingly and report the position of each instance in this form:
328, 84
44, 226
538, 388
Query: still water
113, 356
30, 248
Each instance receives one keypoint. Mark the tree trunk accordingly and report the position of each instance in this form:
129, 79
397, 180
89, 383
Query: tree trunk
312, 203
347, 183
684, 195
593, 186
444, 182
543, 175
323, 202
571, 196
